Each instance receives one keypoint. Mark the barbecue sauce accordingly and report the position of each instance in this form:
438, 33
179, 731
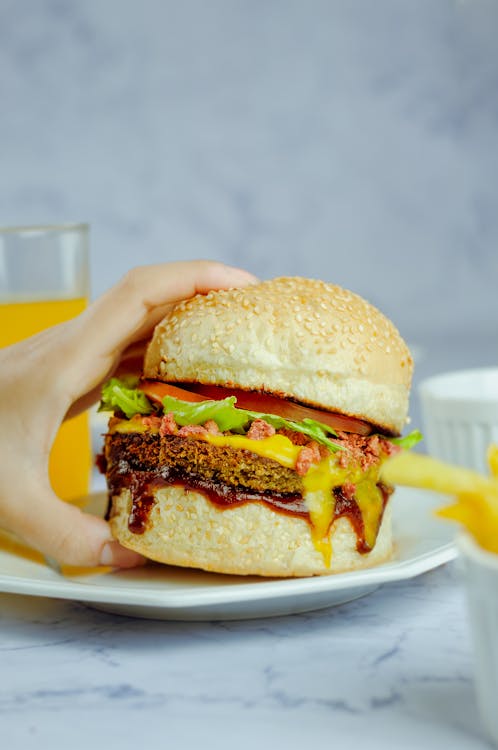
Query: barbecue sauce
142, 484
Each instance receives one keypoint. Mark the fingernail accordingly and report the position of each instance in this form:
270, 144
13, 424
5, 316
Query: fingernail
115, 555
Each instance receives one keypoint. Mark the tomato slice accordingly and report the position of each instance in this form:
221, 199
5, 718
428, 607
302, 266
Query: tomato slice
262, 402
157, 390
255, 401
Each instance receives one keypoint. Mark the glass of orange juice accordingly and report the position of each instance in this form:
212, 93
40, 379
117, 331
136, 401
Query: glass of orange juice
44, 280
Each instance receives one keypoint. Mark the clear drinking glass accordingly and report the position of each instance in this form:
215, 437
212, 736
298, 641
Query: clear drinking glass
44, 280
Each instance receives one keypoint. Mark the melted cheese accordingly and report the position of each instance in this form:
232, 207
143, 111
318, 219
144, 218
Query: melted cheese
131, 425
277, 447
370, 502
318, 482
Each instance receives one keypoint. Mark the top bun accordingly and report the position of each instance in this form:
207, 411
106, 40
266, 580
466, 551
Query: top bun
296, 338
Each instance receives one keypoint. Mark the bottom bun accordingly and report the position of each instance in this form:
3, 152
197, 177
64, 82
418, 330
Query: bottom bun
186, 529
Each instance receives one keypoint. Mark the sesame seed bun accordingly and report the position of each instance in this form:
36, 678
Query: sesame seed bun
296, 338
185, 529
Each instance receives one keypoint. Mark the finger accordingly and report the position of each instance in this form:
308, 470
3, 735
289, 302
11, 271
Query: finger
131, 363
67, 534
147, 293
129, 311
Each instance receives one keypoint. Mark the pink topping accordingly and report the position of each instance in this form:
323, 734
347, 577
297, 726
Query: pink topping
192, 430
390, 448
168, 425
154, 422
212, 427
365, 451
296, 438
308, 455
259, 430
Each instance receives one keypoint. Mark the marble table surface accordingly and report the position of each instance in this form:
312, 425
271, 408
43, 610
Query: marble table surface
393, 669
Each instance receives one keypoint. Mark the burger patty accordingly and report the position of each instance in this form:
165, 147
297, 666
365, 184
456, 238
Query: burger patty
142, 451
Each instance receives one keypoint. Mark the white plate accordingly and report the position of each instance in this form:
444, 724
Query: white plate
163, 592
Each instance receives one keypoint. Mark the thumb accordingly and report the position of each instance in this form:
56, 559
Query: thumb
70, 536
128, 312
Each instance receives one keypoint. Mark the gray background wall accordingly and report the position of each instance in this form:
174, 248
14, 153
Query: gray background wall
355, 141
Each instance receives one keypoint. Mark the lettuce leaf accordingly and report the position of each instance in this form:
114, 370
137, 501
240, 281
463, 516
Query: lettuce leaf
228, 417
408, 441
223, 412
310, 427
122, 394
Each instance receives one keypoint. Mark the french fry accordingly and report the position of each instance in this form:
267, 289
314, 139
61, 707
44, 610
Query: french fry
479, 515
476, 503
424, 472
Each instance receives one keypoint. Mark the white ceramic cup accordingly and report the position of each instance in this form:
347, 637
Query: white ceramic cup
481, 577
460, 415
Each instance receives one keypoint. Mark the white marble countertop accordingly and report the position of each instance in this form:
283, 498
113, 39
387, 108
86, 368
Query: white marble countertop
393, 669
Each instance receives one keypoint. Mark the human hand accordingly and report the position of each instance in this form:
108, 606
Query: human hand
59, 373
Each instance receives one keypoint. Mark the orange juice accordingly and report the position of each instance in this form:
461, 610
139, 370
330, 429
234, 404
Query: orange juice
70, 459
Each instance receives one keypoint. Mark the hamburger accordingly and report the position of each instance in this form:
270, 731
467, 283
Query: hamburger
253, 443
